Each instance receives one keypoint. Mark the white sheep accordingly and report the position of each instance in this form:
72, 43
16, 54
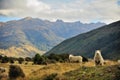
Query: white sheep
75, 58
98, 58
118, 61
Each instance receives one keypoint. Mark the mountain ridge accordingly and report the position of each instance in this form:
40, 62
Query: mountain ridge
105, 38
38, 33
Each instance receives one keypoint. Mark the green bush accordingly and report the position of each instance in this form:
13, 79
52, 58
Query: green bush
28, 59
20, 60
58, 57
39, 59
5, 59
1, 57
15, 72
11, 60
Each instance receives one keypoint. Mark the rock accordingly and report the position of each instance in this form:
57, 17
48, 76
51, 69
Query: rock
101, 74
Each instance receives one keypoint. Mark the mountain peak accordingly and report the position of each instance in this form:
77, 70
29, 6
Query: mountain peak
58, 20
78, 22
28, 18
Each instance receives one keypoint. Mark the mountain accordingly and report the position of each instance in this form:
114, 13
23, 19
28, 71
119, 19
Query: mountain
70, 29
106, 39
32, 35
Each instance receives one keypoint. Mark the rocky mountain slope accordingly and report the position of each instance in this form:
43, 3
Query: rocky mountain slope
41, 35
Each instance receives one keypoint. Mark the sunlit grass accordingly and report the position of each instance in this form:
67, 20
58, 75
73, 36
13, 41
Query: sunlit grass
63, 70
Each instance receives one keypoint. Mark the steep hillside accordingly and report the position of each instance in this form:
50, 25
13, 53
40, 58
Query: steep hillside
40, 34
106, 38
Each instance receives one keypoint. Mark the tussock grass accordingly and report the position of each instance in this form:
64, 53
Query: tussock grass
66, 71
58, 68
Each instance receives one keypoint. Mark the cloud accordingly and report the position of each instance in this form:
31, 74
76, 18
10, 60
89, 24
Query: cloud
101, 10
21, 8
83, 10
12, 4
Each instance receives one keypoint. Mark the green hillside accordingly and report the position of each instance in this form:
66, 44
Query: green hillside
106, 38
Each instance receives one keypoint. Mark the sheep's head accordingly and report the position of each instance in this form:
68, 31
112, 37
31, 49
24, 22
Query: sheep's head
70, 55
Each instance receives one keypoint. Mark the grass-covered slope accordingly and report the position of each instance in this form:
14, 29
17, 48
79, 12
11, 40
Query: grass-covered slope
67, 71
77, 71
106, 38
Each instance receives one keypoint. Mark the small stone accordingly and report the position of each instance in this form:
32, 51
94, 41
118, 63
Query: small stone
101, 74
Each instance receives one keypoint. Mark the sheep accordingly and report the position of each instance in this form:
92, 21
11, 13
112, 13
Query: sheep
75, 58
118, 61
98, 58
2, 69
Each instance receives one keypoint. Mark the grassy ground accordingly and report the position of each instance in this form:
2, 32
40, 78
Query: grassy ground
27, 68
68, 71
71, 71
94, 73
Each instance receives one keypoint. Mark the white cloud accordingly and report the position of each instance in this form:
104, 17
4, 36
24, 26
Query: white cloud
102, 10
37, 5
25, 8
83, 10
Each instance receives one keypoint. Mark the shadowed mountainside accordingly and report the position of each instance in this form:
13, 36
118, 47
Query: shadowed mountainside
106, 38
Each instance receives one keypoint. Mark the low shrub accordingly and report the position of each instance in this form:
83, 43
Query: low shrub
15, 72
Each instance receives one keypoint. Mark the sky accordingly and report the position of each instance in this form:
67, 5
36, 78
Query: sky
85, 11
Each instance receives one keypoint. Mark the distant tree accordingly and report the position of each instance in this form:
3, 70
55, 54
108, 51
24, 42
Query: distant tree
54, 57
5, 59
1, 57
15, 71
64, 57
28, 59
58, 57
36, 59
11, 60
39, 59
20, 60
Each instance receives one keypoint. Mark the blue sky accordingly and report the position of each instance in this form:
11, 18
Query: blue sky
118, 2
68, 10
5, 19
57, 1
